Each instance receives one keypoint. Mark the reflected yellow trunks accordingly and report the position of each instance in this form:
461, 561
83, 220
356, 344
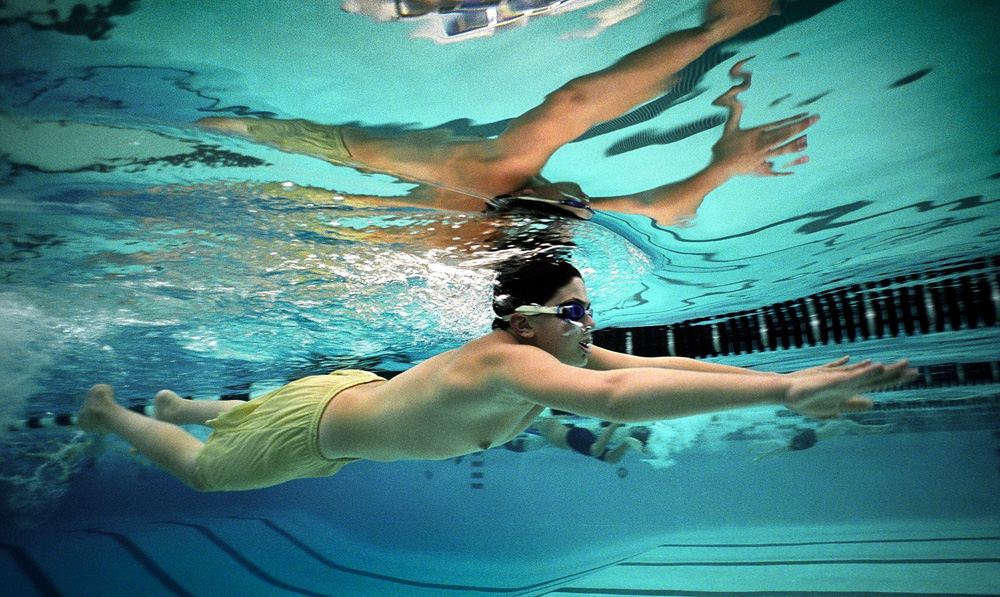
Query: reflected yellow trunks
302, 136
274, 438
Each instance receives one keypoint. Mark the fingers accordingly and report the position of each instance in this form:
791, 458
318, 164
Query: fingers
878, 376
777, 124
898, 372
902, 372
767, 169
854, 404
856, 366
794, 146
843, 385
837, 363
777, 132
773, 135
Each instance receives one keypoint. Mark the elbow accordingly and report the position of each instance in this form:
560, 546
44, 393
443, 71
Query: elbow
617, 396
620, 411
637, 395
617, 407
615, 413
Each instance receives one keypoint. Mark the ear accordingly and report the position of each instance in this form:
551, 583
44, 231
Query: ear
521, 326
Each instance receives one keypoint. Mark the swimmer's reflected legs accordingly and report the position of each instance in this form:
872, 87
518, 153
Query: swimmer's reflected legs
229, 125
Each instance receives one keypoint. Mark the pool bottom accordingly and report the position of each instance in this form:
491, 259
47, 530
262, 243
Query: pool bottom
296, 555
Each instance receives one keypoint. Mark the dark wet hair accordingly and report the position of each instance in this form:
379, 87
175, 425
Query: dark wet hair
527, 281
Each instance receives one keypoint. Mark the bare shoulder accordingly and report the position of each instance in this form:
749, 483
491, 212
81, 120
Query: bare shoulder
474, 365
527, 370
495, 364
494, 354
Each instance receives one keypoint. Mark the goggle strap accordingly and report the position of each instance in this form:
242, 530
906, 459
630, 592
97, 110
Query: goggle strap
570, 312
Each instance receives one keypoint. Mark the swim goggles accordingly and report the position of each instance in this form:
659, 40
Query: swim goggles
571, 312
578, 207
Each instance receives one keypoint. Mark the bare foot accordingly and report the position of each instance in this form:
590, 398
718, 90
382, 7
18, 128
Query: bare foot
229, 125
166, 406
728, 17
99, 402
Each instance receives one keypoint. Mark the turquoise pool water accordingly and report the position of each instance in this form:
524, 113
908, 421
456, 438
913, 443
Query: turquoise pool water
142, 251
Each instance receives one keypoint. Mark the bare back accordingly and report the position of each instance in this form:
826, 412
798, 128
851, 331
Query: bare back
447, 406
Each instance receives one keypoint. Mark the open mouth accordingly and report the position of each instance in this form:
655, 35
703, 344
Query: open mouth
585, 346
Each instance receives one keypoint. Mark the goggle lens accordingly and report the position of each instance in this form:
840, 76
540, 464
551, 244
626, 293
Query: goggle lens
573, 312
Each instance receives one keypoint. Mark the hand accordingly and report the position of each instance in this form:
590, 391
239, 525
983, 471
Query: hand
838, 365
828, 390
749, 151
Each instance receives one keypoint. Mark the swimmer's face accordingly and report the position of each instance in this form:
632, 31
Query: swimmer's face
568, 341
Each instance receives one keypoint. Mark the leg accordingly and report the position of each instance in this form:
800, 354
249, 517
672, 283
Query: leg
847, 427
635, 79
225, 124
554, 432
615, 456
171, 408
167, 445
781, 448
601, 445
296, 135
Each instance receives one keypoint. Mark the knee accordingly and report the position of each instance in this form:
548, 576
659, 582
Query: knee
568, 98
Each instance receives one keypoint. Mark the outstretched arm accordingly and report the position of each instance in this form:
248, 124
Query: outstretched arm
647, 394
737, 152
602, 359
637, 78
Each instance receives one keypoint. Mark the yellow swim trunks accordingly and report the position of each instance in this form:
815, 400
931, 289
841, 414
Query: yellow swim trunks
301, 136
274, 438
